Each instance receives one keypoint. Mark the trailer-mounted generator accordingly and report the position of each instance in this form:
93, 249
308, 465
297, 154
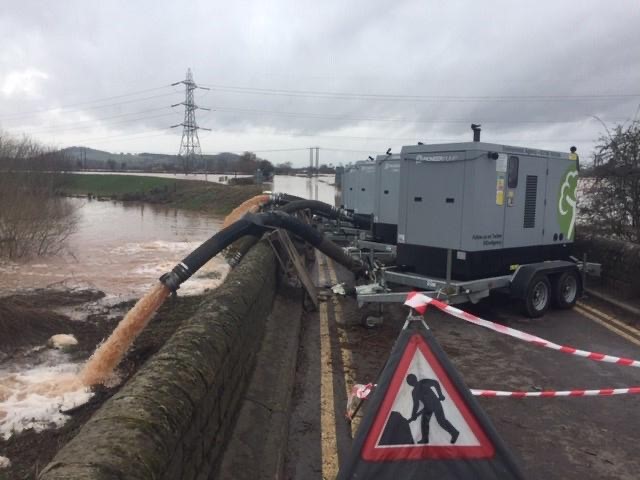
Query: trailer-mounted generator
494, 206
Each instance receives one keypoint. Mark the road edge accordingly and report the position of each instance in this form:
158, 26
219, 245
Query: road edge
613, 302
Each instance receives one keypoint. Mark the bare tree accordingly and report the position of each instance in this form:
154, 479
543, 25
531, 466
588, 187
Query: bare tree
33, 219
612, 186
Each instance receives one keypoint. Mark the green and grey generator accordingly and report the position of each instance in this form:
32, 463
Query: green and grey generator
494, 206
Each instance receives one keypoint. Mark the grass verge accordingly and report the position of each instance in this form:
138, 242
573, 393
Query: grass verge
188, 194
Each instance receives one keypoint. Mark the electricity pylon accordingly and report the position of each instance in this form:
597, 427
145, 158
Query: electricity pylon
190, 144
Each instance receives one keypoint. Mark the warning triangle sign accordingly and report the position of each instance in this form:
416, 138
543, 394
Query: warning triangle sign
423, 415
422, 419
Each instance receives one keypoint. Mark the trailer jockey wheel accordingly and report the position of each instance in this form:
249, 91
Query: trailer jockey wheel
565, 289
538, 297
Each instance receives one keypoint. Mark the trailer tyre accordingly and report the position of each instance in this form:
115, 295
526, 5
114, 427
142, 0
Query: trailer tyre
538, 297
565, 289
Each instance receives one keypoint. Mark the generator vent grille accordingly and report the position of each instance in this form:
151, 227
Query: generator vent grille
530, 198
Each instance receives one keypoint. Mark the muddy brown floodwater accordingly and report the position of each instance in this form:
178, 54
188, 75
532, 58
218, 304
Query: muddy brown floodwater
120, 249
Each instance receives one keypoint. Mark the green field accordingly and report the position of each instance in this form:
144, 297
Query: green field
188, 194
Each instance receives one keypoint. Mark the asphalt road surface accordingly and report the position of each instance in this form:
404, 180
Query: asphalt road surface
552, 438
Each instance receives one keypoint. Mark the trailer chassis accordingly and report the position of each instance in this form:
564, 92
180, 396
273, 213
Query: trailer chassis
526, 283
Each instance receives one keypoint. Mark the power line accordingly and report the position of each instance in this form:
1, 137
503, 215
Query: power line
109, 137
417, 98
392, 120
92, 123
269, 150
96, 107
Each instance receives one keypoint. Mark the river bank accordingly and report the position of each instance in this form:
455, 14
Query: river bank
197, 195
120, 247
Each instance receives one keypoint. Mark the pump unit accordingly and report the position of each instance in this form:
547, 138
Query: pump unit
386, 195
494, 206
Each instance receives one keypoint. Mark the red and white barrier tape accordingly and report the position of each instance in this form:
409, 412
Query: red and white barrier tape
603, 392
419, 302
358, 391
363, 392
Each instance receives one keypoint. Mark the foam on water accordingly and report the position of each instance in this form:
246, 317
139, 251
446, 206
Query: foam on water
155, 246
34, 398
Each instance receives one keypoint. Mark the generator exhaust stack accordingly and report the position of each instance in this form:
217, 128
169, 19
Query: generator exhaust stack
476, 131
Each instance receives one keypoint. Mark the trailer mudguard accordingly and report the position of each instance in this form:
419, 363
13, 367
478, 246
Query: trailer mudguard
525, 273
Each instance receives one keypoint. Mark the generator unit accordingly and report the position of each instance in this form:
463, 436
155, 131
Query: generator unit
386, 195
494, 206
348, 187
364, 180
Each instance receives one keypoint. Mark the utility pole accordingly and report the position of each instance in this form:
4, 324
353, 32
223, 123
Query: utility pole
317, 161
190, 144
310, 162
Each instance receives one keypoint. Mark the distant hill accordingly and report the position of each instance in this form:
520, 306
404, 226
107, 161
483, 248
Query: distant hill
90, 158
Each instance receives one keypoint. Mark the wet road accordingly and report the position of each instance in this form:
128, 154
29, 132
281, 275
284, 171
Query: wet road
568, 438
552, 438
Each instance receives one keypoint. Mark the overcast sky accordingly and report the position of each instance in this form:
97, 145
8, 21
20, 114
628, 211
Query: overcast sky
352, 77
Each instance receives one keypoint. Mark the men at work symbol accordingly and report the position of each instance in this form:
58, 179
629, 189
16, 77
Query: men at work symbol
431, 405
397, 430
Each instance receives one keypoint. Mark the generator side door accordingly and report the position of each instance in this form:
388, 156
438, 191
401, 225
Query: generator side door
388, 192
434, 198
366, 188
525, 187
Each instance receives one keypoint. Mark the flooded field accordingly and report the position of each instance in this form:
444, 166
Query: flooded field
120, 249
205, 177
315, 188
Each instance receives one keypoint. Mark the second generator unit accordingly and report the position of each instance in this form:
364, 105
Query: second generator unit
348, 187
386, 195
364, 178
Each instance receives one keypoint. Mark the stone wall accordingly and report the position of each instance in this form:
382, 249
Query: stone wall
173, 418
620, 262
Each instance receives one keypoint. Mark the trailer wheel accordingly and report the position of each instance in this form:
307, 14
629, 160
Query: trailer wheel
565, 289
538, 297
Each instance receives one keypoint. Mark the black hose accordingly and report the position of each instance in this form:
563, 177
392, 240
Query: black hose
326, 210
209, 249
239, 249
254, 225
281, 198
288, 204
278, 199
279, 219
315, 205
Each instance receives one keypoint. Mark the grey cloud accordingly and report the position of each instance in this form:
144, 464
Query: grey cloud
498, 48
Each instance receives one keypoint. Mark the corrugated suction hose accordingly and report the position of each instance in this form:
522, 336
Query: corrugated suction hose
255, 225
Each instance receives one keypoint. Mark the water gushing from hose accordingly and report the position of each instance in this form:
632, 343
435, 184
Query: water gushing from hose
99, 368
